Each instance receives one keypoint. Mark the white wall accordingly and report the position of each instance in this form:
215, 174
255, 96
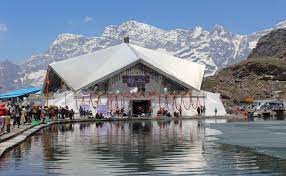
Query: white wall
211, 102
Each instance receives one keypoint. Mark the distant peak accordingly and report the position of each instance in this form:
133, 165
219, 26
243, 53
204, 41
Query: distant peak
198, 28
130, 28
132, 22
129, 23
66, 36
218, 27
197, 31
135, 24
219, 30
69, 35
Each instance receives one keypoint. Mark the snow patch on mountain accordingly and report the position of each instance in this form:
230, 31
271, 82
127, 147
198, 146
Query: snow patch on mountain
34, 78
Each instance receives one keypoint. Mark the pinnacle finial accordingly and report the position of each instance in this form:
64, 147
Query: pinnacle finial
126, 39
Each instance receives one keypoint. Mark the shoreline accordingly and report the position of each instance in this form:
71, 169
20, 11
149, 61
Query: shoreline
13, 140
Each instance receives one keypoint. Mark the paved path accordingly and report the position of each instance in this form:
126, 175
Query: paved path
14, 131
17, 136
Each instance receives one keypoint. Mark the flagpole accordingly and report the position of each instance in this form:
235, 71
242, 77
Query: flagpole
47, 88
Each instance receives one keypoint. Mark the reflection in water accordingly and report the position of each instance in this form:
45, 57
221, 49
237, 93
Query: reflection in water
131, 148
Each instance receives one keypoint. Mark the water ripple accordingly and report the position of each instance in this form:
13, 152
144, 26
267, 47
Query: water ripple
134, 148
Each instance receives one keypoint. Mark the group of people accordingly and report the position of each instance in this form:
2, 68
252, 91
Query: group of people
21, 115
118, 112
163, 112
85, 112
202, 110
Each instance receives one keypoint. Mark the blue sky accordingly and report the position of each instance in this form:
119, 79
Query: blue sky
30, 26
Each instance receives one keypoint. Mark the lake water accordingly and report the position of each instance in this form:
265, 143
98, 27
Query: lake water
134, 148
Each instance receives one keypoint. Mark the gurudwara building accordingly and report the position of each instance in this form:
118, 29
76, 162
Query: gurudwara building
136, 78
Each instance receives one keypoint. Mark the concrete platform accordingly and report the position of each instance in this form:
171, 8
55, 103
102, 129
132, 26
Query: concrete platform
14, 138
14, 131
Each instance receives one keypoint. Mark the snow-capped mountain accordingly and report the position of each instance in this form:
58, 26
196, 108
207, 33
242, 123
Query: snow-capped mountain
216, 48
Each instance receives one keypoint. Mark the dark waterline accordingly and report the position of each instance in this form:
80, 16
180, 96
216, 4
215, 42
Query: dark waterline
133, 148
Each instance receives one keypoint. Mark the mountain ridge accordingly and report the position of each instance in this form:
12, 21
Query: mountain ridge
259, 76
216, 48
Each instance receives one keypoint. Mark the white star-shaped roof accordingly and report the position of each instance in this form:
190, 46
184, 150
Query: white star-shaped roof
86, 70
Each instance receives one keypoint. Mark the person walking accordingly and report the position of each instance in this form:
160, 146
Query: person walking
62, 112
199, 110
18, 115
180, 111
45, 114
56, 111
215, 111
67, 112
80, 111
84, 112
122, 111
117, 111
204, 110
71, 114
34, 113
24, 114
38, 113
13, 115
29, 113
8, 123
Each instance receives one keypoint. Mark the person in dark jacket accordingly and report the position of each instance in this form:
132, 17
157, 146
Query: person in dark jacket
199, 110
18, 111
80, 111
62, 111
71, 114
38, 114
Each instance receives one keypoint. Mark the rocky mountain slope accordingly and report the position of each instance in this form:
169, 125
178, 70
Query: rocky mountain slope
8, 73
263, 73
216, 49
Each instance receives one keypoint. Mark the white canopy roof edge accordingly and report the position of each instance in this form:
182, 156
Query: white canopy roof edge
83, 71
185, 72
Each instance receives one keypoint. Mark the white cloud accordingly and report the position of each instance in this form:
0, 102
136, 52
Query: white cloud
3, 28
87, 19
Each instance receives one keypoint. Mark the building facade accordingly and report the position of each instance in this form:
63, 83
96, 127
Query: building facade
140, 80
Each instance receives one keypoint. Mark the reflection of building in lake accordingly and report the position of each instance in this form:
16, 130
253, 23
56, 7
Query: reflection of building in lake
138, 142
142, 148
127, 75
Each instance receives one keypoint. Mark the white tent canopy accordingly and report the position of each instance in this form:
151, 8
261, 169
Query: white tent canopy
86, 70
